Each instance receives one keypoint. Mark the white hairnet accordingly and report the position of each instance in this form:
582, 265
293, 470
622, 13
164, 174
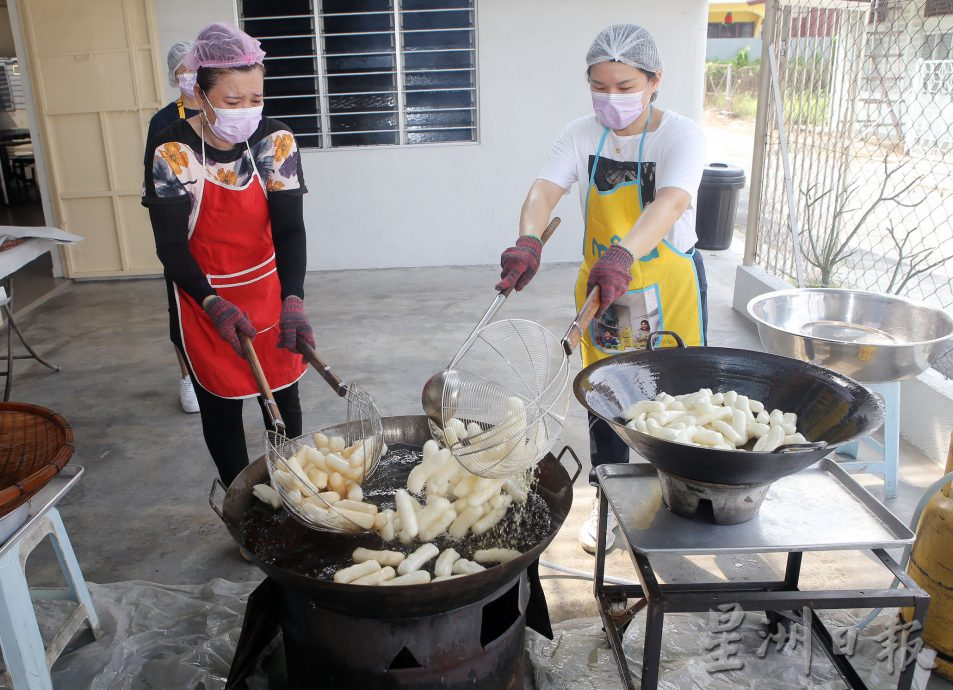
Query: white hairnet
629, 44
224, 46
176, 54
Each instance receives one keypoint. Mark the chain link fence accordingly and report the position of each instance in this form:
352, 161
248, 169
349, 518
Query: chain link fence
867, 102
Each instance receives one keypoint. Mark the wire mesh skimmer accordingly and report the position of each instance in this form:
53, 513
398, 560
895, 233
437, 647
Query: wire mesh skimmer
433, 388
363, 426
505, 400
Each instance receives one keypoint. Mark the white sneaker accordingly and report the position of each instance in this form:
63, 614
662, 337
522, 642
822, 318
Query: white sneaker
589, 532
187, 397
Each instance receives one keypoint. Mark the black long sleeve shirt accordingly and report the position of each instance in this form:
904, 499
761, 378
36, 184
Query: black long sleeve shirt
171, 177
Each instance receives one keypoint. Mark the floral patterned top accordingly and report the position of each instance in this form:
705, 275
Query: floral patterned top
173, 179
177, 165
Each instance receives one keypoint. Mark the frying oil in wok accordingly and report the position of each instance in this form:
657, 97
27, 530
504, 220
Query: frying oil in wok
279, 540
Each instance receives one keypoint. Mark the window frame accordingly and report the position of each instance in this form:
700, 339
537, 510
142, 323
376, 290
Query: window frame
735, 25
322, 96
937, 8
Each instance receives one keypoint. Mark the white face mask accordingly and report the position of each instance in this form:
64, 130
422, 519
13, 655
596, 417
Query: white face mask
234, 125
187, 83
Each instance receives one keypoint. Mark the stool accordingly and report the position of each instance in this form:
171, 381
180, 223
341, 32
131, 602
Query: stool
889, 450
28, 663
23, 168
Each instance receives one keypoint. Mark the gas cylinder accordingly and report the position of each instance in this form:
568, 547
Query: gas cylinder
931, 565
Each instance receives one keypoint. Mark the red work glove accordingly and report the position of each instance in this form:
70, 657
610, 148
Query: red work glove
520, 263
294, 324
612, 273
229, 321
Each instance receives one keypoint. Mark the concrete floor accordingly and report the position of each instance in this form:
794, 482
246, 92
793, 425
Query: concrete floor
141, 511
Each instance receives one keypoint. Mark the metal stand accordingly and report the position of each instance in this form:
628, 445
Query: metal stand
625, 486
889, 450
11, 328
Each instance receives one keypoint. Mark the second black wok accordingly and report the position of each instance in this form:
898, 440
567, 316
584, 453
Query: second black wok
830, 407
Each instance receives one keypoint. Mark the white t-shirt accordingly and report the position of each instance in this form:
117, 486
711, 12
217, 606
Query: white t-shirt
673, 156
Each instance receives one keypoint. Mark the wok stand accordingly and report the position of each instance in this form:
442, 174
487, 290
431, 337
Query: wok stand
889, 451
832, 513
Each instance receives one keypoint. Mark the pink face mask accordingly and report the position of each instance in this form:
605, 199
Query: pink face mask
617, 110
235, 125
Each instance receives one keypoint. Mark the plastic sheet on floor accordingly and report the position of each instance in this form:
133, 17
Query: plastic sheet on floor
184, 637
156, 636
579, 658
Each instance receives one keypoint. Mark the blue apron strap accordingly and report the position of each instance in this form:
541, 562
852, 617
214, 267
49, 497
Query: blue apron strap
595, 162
592, 179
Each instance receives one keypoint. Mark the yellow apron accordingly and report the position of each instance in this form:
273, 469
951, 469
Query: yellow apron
663, 294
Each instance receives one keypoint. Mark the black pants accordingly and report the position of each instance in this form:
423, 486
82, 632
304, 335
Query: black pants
222, 423
605, 446
224, 430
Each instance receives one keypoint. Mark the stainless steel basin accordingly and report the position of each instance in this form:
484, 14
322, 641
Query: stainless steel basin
868, 336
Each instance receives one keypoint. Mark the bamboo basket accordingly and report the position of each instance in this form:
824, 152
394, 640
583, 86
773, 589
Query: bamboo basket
35, 444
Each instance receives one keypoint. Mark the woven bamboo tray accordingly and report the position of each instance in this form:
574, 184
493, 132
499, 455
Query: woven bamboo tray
35, 444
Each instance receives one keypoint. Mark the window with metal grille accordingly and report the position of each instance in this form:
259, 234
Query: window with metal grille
734, 30
938, 8
11, 86
368, 72
879, 11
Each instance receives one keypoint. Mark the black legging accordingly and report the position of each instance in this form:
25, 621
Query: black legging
605, 446
224, 430
222, 418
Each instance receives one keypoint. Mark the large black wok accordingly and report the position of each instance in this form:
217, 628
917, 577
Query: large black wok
830, 407
302, 559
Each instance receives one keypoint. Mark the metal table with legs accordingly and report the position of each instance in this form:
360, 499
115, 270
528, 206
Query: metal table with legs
22, 253
818, 509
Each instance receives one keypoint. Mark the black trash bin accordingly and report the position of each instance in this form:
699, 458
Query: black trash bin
717, 205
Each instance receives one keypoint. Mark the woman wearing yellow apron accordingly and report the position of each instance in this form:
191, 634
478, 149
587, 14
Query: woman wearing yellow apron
638, 170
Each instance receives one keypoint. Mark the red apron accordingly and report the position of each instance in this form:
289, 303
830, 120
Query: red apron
231, 241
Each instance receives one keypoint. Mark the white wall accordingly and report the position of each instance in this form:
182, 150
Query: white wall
459, 204
180, 20
727, 48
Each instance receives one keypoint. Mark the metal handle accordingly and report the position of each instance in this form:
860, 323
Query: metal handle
795, 447
581, 322
314, 359
211, 498
679, 343
271, 407
498, 301
559, 459
547, 233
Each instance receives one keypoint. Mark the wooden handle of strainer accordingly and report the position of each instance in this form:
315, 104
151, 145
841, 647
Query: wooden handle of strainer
271, 407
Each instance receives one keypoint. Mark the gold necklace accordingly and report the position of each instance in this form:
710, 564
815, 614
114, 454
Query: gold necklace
619, 146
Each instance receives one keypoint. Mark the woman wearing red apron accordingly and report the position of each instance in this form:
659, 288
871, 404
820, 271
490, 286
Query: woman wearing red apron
224, 191
638, 169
